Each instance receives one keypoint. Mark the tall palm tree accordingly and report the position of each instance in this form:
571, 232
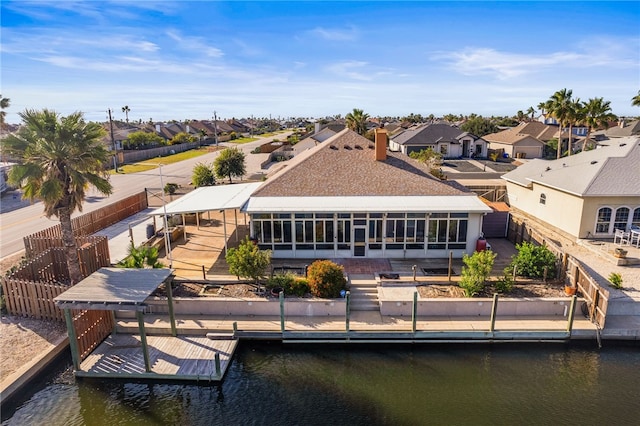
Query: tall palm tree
357, 121
635, 101
574, 116
596, 113
126, 111
559, 107
4, 103
59, 158
532, 112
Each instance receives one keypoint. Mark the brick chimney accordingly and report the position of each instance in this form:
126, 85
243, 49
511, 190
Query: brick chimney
381, 144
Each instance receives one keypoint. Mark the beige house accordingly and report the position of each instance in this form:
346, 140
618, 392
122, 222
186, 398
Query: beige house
590, 194
526, 140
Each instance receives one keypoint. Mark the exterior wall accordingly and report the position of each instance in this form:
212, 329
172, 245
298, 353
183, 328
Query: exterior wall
560, 209
531, 146
508, 149
593, 204
381, 235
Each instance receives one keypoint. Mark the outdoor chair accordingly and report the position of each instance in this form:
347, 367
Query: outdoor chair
621, 237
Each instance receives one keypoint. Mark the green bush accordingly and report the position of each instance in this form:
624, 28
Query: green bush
477, 270
531, 261
289, 283
616, 280
248, 261
171, 188
326, 279
505, 283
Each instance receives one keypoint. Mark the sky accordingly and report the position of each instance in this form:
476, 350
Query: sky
179, 60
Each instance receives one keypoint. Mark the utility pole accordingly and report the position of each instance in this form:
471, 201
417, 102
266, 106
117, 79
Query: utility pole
113, 143
215, 127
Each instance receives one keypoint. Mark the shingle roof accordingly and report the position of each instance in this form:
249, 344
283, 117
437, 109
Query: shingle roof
344, 165
612, 170
542, 132
429, 135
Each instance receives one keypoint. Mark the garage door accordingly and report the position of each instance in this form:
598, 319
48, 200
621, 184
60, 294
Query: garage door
527, 152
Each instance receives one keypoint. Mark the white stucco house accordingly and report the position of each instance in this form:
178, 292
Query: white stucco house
447, 140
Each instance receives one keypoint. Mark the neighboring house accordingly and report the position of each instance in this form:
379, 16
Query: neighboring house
449, 141
349, 197
622, 130
526, 140
589, 194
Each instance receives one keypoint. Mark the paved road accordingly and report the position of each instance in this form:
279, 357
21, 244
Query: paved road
27, 219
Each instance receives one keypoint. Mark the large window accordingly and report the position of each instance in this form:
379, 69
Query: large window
448, 231
622, 218
603, 221
635, 220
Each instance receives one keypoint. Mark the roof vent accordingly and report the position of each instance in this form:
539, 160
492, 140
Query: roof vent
335, 148
347, 147
547, 169
358, 147
371, 146
594, 162
623, 144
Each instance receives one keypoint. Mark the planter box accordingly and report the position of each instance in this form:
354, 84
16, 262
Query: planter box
481, 307
257, 307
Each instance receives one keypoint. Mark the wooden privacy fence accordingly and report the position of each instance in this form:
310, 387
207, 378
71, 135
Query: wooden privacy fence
596, 297
91, 327
30, 290
86, 224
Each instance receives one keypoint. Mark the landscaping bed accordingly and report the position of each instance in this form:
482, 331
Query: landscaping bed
522, 289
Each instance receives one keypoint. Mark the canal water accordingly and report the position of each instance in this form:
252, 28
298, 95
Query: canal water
276, 384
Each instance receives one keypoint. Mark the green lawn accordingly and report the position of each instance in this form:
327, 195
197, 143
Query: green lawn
243, 140
152, 163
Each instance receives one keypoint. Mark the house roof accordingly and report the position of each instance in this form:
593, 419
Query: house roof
345, 165
430, 134
534, 129
630, 129
612, 170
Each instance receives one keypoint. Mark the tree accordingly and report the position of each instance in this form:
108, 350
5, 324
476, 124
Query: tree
248, 261
143, 139
203, 175
476, 271
126, 111
326, 279
357, 121
141, 257
531, 261
183, 137
531, 112
230, 163
428, 157
635, 101
520, 116
479, 126
60, 158
4, 104
559, 106
596, 113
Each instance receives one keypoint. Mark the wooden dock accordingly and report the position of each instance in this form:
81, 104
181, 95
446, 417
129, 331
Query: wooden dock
171, 358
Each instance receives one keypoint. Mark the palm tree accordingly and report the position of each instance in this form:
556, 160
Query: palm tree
60, 158
575, 115
4, 103
596, 113
635, 101
559, 107
126, 111
357, 121
532, 112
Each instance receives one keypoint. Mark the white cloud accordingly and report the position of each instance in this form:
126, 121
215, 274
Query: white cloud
350, 69
196, 44
335, 34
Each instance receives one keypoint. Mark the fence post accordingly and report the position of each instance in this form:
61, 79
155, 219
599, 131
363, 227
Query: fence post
73, 339
217, 362
572, 309
348, 310
414, 312
281, 296
494, 310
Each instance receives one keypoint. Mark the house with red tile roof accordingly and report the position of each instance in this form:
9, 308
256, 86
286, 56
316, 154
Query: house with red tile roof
349, 197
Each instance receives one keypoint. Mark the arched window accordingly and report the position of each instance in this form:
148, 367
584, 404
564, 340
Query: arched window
622, 218
635, 220
543, 199
603, 221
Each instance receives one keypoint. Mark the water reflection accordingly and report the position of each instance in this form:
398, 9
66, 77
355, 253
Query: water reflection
270, 383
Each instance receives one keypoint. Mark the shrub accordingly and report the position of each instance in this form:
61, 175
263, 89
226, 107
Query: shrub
290, 284
531, 261
505, 283
171, 188
326, 279
248, 261
203, 175
477, 270
616, 280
